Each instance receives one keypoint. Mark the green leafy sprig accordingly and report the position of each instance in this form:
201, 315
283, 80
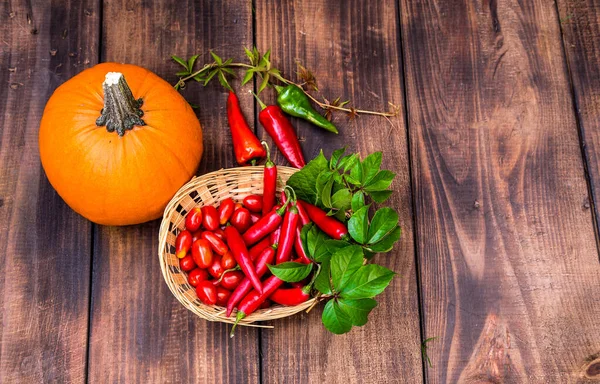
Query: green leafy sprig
260, 65
343, 273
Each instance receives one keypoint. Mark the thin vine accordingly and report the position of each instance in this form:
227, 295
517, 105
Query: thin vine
260, 65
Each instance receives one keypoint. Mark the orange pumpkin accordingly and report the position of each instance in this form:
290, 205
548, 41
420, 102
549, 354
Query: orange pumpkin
117, 141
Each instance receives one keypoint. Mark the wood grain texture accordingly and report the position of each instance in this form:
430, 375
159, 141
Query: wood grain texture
580, 24
353, 52
44, 245
139, 331
509, 263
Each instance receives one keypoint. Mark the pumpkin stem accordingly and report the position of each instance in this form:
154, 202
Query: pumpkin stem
121, 110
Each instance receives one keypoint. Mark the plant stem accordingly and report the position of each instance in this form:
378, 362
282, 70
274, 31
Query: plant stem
323, 105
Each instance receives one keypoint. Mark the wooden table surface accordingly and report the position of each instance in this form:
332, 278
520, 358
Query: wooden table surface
497, 151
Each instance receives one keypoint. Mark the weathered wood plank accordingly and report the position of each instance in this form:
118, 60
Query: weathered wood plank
580, 22
44, 245
506, 244
139, 331
353, 52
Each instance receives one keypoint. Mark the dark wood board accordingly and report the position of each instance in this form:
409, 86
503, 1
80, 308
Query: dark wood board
139, 331
506, 243
44, 245
353, 51
580, 24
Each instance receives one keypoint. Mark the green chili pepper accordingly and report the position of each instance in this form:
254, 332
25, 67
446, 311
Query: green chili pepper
294, 102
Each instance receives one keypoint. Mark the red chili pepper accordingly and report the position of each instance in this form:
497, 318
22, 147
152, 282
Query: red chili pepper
222, 296
327, 224
202, 253
269, 183
228, 261
207, 292
183, 243
254, 299
196, 276
216, 243
266, 257
216, 268
267, 224
299, 247
225, 210
241, 219
291, 296
240, 252
282, 132
196, 235
246, 145
288, 234
253, 203
193, 220
187, 263
210, 217
232, 279
304, 218
257, 249
254, 217
220, 234
275, 235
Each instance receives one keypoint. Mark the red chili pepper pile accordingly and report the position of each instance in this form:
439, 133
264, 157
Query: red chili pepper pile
226, 256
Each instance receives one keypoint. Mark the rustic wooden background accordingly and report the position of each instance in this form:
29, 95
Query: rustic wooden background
497, 150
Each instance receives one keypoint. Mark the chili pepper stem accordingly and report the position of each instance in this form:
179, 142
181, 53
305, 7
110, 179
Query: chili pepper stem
240, 315
262, 105
236, 268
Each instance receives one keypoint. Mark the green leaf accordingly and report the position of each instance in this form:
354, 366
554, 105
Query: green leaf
290, 271
249, 55
380, 182
348, 162
229, 71
304, 181
326, 193
224, 82
356, 174
344, 262
210, 76
182, 73
357, 309
199, 77
327, 248
340, 215
358, 225
323, 280
264, 61
264, 83
217, 59
314, 239
335, 157
384, 221
249, 75
369, 281
191, 61
380, 196
370, 166
342, 199
334, 319
322, 180
358, 201
180, 61
387, 243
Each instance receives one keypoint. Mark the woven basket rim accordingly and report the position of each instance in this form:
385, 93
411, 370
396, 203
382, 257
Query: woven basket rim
220, 181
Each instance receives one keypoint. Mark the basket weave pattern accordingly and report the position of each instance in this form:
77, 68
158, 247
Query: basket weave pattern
210, 189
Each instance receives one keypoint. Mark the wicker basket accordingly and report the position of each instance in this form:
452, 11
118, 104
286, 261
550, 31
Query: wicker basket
210, 189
